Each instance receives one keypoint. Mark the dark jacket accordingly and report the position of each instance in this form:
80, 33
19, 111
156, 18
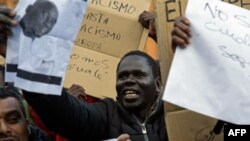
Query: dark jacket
37, 134
79, 121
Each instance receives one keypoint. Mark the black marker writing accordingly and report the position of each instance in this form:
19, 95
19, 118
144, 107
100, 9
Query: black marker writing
87, 60
96, 73
96, 17
242, 20
234, 57
95, 45
216, 13
212, 26
116, 5
102, 33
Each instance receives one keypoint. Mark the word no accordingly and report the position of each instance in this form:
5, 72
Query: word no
215, 12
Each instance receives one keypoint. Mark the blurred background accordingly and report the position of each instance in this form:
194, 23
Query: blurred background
8, 3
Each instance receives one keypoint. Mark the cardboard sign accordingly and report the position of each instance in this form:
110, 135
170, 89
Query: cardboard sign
95, 71
190, 126
108, 31
112, 27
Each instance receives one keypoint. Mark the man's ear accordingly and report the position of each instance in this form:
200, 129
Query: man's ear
158, 84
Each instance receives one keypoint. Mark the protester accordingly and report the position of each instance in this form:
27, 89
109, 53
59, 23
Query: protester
13, 124
137, 111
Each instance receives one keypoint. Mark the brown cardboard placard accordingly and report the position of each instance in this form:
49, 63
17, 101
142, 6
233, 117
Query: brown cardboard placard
186, 125
109, 30
93, 70
113, 28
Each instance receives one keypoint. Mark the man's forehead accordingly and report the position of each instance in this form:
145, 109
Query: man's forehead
135, 56
135, 59
9, 104
134, 63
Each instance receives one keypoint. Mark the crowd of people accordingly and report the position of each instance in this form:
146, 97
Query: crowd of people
136, 115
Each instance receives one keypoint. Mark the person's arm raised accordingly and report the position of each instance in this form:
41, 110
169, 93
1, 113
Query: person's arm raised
147, 20
69, 117
6, 22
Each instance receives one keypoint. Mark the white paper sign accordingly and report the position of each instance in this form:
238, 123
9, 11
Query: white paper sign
212, 75
44, 38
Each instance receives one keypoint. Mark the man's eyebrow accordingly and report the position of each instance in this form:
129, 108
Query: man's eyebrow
13, 112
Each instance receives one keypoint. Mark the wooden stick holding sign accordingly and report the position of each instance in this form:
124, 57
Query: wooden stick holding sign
165, 49
163, 40
164, 43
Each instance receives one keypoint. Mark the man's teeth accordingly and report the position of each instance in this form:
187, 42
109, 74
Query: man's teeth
130, 93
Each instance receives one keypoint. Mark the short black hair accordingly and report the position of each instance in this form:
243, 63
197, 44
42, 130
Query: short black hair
10, 92
154, 65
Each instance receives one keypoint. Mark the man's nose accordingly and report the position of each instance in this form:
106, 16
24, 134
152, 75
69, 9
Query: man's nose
4, 127
130, 80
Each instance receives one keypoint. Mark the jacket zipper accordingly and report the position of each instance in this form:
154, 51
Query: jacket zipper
143, 128
144, 132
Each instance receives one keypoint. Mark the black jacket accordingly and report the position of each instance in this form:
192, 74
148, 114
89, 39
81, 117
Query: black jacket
79, 121
37, 134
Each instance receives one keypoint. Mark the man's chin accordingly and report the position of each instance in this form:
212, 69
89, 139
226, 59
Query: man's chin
131, 106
